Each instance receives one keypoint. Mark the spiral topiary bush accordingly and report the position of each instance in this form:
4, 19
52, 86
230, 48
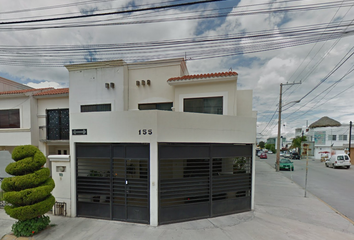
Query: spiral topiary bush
29, 192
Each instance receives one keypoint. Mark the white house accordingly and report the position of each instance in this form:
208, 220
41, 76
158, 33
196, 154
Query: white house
25, 116
150, 143
330, 137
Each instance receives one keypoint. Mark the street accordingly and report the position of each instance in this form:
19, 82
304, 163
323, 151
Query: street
333, 186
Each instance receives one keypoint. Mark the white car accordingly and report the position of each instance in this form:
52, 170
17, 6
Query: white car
338, 160
270, 152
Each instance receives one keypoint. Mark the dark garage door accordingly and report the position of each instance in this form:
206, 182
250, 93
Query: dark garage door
203, 180
113, 181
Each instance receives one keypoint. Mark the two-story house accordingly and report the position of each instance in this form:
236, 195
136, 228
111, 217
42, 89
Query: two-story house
330, 137
150, 143
145, 142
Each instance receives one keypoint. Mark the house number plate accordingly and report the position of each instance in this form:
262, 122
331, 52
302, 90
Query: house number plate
145, 131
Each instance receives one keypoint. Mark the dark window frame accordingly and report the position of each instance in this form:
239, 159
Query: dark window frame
204, 108
156, 106
12, 120
104, 107
59, 130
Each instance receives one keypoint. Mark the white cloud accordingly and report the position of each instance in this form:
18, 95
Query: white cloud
45, 84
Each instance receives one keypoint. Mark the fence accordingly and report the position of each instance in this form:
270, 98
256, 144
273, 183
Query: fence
2, 203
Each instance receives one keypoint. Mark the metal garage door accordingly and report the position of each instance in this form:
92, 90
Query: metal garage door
203, 180
113, 181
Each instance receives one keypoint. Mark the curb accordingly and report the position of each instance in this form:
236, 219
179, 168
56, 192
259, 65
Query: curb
13, 237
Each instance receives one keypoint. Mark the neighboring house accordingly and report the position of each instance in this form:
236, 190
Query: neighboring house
145, 142
330, 137
26, 116
8, 85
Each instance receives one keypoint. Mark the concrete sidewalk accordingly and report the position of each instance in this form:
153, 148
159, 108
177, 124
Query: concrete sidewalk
281, 212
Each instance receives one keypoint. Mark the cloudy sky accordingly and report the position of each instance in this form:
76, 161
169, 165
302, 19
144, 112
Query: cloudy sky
316, 49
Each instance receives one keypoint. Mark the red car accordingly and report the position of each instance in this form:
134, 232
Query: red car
263, 156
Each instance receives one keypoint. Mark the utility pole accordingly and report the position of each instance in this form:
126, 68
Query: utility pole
279, 119
350, 136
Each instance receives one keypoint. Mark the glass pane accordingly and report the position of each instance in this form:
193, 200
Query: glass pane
193, 105
96, 108
213, 105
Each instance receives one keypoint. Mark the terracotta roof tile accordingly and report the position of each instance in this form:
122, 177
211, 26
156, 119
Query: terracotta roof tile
25, 91
53, 92
207, 75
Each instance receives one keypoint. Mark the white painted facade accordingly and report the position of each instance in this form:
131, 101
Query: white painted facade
121, 85
91, 84
334, 140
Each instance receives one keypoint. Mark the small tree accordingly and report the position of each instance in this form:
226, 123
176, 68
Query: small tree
296, 143
29, 191
261, 144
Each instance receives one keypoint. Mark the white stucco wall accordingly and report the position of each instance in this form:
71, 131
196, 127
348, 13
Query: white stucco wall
227, 90
87, 85
165, 126
22, 135
159, 91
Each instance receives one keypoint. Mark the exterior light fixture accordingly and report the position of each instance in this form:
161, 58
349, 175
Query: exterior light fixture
106, 85
137, 83
143, 82
148, 82
112, 84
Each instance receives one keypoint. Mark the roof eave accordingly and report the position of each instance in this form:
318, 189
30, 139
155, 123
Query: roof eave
202, 80
60, 95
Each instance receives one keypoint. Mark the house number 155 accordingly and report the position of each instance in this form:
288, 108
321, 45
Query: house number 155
145, 131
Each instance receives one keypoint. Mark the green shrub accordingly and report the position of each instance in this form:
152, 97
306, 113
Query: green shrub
24, 151
28, 192
31, 195
30, 227
30, 211
26, 181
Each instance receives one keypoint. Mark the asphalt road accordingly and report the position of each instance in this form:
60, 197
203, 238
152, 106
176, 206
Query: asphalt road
333, 186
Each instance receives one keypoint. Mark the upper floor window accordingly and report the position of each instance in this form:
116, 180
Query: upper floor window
213, 105
10, 118
58, 124
342, 137
96, 108
332, 137
156, 106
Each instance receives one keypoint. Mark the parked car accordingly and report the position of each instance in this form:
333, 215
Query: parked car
286, 154
259, 153
285, 164
295, 155
270, 152
281, 154
338, 160
263, 156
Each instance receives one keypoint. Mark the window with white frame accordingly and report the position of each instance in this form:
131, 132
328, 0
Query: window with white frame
10, 118
332, 137
343, 137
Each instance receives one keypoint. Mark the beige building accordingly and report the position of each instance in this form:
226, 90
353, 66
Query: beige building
146, 142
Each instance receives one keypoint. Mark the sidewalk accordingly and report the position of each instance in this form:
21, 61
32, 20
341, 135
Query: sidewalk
281, 212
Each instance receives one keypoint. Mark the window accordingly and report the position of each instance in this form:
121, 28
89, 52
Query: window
58, 124
332, 137
10, 118
342, 137
96, 108
156, 106
213, 105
